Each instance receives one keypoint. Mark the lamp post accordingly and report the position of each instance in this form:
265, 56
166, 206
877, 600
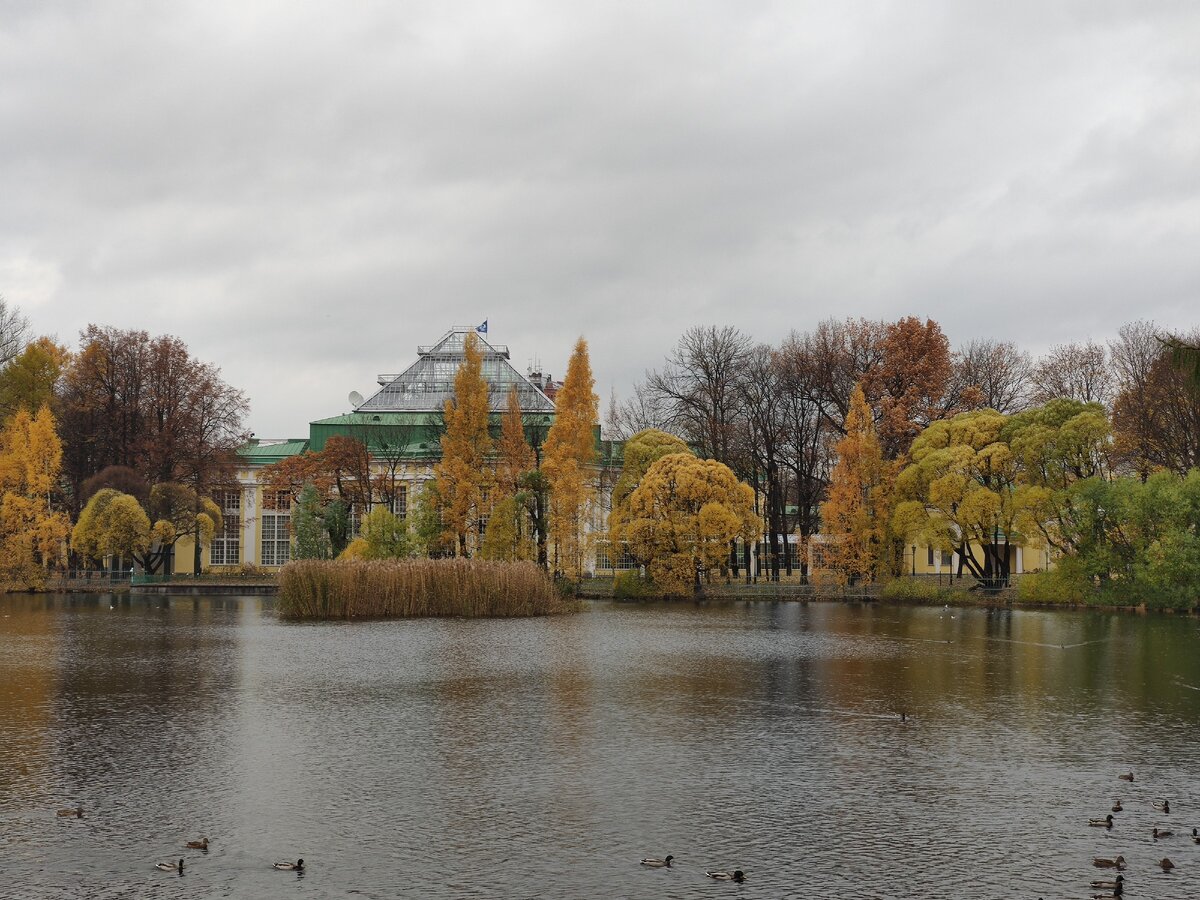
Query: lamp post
914, 559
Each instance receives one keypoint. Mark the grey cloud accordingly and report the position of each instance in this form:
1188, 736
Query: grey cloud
306, 192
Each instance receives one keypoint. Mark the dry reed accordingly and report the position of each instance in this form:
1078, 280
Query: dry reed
346, 589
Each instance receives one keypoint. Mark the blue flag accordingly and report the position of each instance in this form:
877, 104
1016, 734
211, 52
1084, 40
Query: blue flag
482, 329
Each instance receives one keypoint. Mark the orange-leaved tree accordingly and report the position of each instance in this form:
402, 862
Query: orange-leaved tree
462, 475
857, 510
508, 533
570, 457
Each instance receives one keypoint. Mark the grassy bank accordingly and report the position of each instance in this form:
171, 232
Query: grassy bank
312, 589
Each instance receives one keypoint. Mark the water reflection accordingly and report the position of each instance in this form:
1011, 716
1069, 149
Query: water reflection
544, 758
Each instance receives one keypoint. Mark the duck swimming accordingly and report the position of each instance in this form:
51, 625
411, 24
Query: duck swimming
1126, 777
736, 875
1162, 805
1106, 822
1117, 807
1102, 863
1156, 834
1120, 879
77, 812
297, 866
1195, 836
655, 863
1118, 891
1166, 864
201, 844
170, 867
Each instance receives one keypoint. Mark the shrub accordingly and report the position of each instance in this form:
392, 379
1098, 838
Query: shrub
632, 586
344, 589
922, 590
1053, 587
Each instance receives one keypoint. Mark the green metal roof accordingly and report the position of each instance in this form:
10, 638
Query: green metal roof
267, 453
381, 419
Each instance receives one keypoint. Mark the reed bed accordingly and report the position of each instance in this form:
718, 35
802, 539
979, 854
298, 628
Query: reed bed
347, 589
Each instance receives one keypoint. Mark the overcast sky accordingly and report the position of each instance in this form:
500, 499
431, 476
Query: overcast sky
304, 192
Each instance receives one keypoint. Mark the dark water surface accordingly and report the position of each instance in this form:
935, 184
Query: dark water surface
544, 758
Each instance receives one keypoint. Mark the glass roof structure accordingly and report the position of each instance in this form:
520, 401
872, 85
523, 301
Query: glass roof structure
428, 383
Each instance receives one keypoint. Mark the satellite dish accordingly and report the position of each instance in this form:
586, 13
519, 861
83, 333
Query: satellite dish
356, 399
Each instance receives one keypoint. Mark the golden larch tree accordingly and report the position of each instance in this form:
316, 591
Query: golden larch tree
856, 512
507, 536
31, 531
515, 456
570, 459
462, 475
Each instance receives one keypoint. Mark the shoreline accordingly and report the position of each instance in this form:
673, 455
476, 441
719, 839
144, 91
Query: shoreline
768, 591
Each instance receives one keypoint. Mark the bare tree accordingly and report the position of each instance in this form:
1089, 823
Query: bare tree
842, 353
698, 389
760, 390
806, 450
14, 331
1074, 372
641, 411
1001, 372
1156, 413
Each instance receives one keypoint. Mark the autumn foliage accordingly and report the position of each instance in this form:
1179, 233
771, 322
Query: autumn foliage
32, 532
682, 517
570, 454
858, 508
463, 474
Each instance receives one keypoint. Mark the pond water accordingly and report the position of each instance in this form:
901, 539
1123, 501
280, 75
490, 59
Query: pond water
545, 758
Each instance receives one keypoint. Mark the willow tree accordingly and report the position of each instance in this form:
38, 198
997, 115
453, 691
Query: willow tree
31, 531
962, 492
462, 475
1057, 445
641, 451
682, 517
112, 523
570, 454
856, 512
116, 524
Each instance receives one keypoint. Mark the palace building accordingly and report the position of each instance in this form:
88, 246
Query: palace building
401, 426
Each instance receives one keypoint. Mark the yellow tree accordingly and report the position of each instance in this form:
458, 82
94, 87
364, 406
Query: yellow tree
570, 457
29, 379
462, 475
515, 455
682, 517
507, 534
31, 531
641, 451
112, 523
858, 506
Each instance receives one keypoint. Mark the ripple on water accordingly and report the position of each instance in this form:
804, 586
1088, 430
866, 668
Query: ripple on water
545, 758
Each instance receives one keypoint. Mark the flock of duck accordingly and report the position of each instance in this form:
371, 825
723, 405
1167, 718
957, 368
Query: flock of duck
1115, 887
201, 845
737, 875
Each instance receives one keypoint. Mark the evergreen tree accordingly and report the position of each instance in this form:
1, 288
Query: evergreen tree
310, 539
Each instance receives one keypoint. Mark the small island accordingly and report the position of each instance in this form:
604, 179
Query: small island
408, 588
